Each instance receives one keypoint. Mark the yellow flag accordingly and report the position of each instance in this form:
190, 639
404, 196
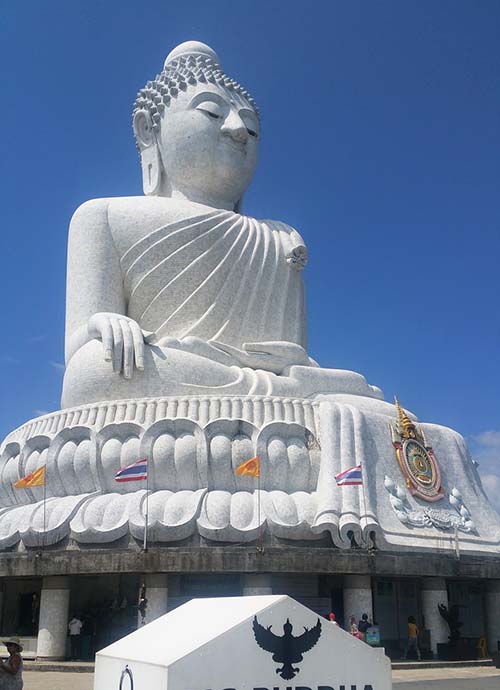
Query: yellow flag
36, 478
251, 467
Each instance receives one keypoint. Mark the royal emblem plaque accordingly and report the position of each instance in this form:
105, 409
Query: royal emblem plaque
416, 458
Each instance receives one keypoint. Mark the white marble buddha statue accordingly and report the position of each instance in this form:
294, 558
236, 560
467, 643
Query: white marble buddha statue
177, 292
186, 345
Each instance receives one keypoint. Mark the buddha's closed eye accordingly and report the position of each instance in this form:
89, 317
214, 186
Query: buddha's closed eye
210, 109
214, 111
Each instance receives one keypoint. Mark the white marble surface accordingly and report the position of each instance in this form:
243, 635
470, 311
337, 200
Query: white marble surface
218, 296
54, 617
186, 344
193, 487
177, 292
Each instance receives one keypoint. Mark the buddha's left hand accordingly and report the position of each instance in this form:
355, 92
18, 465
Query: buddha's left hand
275, 356
122, 341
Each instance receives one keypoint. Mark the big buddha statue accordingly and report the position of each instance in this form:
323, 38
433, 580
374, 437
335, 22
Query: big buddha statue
186, 344
178, 292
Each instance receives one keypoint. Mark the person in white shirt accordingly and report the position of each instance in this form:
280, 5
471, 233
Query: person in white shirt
75, 626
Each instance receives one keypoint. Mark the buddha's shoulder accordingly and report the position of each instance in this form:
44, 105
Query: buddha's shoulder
284, 229
121, 210
128, 213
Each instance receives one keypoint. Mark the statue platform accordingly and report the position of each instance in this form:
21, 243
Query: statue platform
194, 445
178, 292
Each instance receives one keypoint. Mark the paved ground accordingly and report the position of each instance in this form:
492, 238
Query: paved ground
419, 679
46, 680
485, 678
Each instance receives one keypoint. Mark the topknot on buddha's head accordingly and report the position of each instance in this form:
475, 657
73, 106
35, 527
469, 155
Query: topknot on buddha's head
188, 64
191, 49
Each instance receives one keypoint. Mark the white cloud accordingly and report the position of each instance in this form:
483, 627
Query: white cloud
40, 413
8, 359
57, 365
491, 484
485, 449
489, 439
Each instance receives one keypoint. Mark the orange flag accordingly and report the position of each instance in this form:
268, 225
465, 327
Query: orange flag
36, 478
251, 467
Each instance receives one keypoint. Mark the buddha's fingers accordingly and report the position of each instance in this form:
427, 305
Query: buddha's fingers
99, 327
128, 348
118, 345
106, 334
138, 339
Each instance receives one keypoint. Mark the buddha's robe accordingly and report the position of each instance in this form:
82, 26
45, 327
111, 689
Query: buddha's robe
218, 276
208, 282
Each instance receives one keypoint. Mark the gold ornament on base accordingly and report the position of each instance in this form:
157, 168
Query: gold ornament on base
416, 458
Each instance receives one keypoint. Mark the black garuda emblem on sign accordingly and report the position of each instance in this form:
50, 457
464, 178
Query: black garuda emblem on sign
286, 649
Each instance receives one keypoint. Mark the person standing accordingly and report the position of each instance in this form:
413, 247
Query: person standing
11, 670
75, 628
412, 641
364, 624
353, 628
331, 617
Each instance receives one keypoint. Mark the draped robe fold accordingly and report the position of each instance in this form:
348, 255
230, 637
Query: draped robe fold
210, 280
218, 276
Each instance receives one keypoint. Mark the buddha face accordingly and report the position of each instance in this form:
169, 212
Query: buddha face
208, 144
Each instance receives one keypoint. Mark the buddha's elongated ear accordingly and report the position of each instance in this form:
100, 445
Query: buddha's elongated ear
150, 156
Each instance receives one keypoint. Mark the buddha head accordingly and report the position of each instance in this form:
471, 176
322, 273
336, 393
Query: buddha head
197, 131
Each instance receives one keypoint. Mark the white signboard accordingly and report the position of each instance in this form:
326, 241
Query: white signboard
241, 643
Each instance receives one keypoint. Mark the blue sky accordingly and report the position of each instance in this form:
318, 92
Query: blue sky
380, 144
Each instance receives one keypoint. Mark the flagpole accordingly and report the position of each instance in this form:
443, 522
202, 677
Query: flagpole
44, 505
261, 548
252, 467
145, 543
364, 498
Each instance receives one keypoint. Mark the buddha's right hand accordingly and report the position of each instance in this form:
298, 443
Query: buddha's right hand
122, 341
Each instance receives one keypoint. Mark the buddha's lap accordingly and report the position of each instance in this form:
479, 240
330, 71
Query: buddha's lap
172, 372
89, 378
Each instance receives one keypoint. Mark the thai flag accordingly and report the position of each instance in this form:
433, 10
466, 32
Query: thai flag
350, 477
132, 473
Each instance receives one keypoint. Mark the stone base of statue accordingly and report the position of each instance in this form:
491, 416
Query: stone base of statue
195, 443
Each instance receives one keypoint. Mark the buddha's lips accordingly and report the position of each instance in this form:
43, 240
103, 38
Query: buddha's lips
236, 146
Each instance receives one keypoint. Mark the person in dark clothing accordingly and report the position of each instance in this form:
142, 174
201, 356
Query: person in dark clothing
364, 624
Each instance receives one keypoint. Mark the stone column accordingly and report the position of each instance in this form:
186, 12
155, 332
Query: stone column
492, 605
357, 597
255, 584
434, 593
2, 593
54, 617
157, 596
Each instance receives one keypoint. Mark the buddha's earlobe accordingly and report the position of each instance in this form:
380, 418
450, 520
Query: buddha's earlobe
151, 171
150, 156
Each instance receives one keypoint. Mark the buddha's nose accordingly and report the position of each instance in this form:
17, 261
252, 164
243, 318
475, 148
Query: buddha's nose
235, 127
